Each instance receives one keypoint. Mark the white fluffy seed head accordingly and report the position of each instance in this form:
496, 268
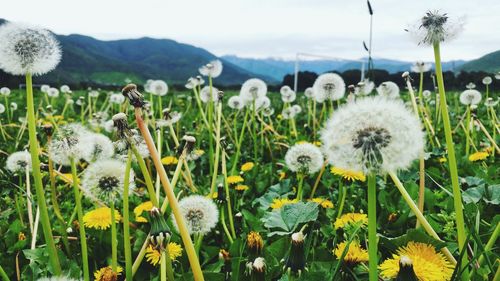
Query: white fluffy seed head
427, 94
116, 98
297, 108
19, 162
253, 89
364, 88
171, 118
285, 89
53, 92
435, 27
44, 88
421, 66
236, 102
212, 69
205, 94
470, 97
158, 88
304, 158
486, 80
65, 89
2, 108
104, 180
261, 103
13, 106
27, 49
288, 96
199, 213
288, 113
96, 147
373, 135
309, 93
329, 86
5, 92
388, 89
67, 144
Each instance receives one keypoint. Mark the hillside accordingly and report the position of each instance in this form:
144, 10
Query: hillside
488, 63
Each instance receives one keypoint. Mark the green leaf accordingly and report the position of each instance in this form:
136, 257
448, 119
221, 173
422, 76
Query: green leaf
275, 191
288, 218
412, 235
492, 194
473, 194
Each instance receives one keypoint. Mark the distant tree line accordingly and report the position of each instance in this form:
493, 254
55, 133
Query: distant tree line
453, 81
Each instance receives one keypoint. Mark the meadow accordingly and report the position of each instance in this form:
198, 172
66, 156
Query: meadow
340, 182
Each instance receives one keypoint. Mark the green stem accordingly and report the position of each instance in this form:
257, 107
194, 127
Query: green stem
491, 242
168, 263
37, 175
146, 175
224, 226
217, 150
372, 227
452, 162
240, 141
3, 274
83, 238
467, 131
299, 188
114, 252
342, 194
126, 227
228, 197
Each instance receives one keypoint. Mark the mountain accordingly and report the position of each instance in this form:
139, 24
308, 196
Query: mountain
489, 63
88, 60
277, 68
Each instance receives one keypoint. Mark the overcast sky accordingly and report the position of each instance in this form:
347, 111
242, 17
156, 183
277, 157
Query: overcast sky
269, 28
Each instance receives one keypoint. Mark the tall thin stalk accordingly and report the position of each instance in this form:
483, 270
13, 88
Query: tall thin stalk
114, 250
372, 227
37, 175
126, 227
452, 162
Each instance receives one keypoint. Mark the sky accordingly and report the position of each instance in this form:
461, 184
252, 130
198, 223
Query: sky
269, 28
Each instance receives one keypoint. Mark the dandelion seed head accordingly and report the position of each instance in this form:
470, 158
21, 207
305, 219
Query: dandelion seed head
364, 88
487, 80
427, 94
309, 93
2, 108
420, 66
158, 88
13, 106
104, 180
262, 103
253, 89
199, 213
53, 92
288, 96
4, 92
373, 134
236, 102
98, 147
388, 89
435, 27
296, 108
27, 49
67, 144
65, 89
44, 88
329, 86
19, 162
116, 98
212, 69
304, 158
269, 111
288, 113
470, 97
205, 94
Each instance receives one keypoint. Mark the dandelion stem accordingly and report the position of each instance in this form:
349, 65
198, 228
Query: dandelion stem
452, 162
491, 242
126, 227
224, 226
423, 221
342, 195
4, 275
217, 149
228, 197
37, 175
318, 179
240, 141
114, 252
147, 176
372, 227
166, 264
188, 244
83, 238
467, 131
140, 255
299, 187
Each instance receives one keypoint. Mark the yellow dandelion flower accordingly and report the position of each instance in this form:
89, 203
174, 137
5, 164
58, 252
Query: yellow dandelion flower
21, 236
480, 155
349, 219
282, 175
325, 203
279, 116
241, 187
280, 202
255, 242
214, 195
146, 206
301, 142
100, 218
234, 179
428, 264
153, 255
169, 160
317, 143
348, 174
489, 149
66, 178
247, 166
442, 160
355, 254
107, 274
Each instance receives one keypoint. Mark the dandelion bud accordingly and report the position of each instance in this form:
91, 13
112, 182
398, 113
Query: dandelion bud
160, 232
136, 98
406, 271
226, 268
220, 96
221, 199
238, 220
48, 129
296, 261
121, 124
257, 269
406, 76
189, 142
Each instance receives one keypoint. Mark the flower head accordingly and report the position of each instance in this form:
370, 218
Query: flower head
355, 254
19, 162
351, 219
255, 242
435, 27
348, 174
169, 118
212, 69
100, 218
104, 179
304, 158
470, 97
478, 156
280, 202
372, 135
67, 144
4, 92
288, 96
27, 49
153, 255
253, 89
234, 179
329, 86
324, 203
487, 80
158, 88
96, 147
169, 160
107, 274
420, 67
388, 89
116, 98
236, 102
205, 94
309, 92
57, 278
364, 88
247, 166
428, 264
200, 213
145, 206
